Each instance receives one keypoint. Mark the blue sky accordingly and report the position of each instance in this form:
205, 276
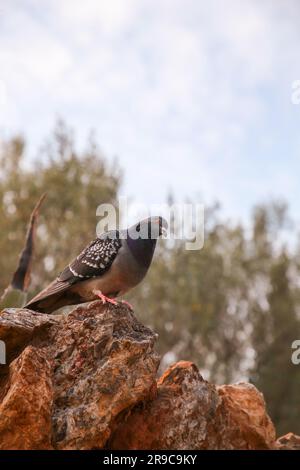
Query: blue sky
190, 95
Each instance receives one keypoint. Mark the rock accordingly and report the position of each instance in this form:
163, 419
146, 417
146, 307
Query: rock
176, 418
189, 413
244, 419
289, 441
17, 329
87, 380
26, 400
73, 375
104, 363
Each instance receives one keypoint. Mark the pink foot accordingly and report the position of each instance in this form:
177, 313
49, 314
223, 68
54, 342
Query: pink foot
103, 297
127, 303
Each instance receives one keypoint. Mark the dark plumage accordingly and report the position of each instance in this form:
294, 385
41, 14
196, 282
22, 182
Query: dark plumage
108, 267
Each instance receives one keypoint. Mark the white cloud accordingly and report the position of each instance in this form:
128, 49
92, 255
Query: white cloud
110, 17
182, 92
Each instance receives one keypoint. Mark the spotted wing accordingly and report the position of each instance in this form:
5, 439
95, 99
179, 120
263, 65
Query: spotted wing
93, 261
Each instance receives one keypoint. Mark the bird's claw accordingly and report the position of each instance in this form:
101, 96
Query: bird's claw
105, 299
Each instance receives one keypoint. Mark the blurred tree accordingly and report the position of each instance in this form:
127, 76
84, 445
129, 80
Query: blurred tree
76, 183
191, 298
232, 308
274, 319
274, 374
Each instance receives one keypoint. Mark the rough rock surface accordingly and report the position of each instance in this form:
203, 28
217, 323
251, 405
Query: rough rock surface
18, 327
26, 399
73, 375
245, 422
87, 380
190, 413
289, 441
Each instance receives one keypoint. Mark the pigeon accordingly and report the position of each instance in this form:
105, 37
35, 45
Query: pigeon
107, 268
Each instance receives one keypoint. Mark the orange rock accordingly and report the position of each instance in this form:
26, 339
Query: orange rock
25, 409
289, 441
73, 375
244, 418
104, 363
87, 380
190, 413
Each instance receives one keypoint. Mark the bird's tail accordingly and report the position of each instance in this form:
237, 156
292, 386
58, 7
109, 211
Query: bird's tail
53, 297
49, 305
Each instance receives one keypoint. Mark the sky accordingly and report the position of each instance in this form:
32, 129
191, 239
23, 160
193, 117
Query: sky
192, 97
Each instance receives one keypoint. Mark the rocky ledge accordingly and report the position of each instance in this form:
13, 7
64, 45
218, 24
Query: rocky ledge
88, 380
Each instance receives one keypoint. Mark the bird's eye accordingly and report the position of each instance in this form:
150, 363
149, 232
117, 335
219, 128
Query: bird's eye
138, 227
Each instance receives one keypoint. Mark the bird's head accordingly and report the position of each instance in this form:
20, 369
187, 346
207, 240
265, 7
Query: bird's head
142, 238
150, 228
